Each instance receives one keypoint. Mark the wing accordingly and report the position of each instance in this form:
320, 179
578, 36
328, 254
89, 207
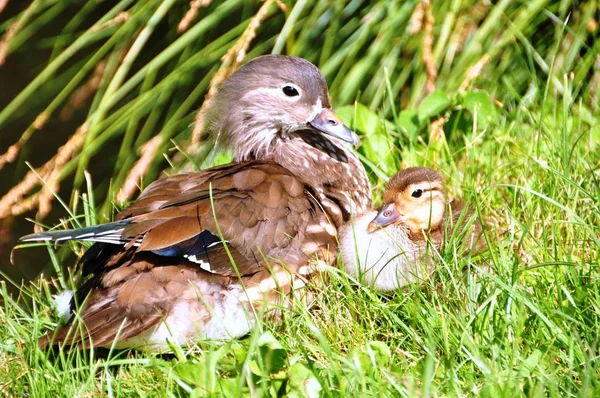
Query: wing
258, 210
248, 214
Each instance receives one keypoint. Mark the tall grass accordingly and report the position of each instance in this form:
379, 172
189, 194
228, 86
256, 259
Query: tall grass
509, 114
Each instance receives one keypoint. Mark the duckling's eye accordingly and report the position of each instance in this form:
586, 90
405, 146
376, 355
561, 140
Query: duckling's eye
290, 91
387, 213
417, 193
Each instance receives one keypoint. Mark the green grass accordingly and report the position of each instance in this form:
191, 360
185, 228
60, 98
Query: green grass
519, 320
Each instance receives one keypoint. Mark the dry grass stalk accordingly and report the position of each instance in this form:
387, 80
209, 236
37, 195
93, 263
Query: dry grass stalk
3, 4
63, 155
139, 170
436, 134
281, 5
416, 20
41, 120
195, 6
230, 62
8, 35
474, 72
13, 151
428, 59
44, 200
6, 235
437, 130
80, 96
121, 17
14, 198
14, 202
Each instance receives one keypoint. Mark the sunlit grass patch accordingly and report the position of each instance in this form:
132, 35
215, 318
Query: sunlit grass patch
512, 122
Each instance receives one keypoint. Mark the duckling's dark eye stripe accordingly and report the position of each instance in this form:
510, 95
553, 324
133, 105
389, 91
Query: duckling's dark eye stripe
417, 193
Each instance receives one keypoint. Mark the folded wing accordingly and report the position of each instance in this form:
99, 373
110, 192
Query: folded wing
223, 223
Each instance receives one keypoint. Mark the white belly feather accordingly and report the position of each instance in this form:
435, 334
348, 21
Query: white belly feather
188, 321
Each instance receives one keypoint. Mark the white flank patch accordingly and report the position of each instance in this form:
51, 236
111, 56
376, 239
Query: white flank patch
62, 302
203, 264
187, 322
230, 318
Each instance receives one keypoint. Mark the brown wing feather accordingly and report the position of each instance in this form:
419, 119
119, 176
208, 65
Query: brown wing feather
263, 212
127, 301
171, 232
104, 316
259, 207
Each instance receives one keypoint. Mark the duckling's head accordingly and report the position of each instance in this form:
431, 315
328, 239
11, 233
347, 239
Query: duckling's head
414, 198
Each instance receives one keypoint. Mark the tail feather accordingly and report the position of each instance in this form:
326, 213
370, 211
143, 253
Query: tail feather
107, 233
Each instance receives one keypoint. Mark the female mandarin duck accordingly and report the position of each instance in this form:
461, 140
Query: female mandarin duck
200, 254
397, 245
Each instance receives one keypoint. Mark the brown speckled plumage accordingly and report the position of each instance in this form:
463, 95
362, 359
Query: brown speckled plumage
277, 208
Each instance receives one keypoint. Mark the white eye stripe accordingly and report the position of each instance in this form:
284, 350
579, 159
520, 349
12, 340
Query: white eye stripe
278, 92
318, 108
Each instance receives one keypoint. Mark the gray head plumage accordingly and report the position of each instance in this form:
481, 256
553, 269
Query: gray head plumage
272, 96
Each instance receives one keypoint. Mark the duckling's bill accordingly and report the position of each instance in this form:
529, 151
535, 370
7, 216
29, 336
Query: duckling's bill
387, 215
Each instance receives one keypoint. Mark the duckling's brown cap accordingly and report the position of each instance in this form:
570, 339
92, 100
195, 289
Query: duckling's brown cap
406, 177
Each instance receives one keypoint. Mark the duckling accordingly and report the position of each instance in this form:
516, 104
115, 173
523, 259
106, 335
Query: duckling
398, 244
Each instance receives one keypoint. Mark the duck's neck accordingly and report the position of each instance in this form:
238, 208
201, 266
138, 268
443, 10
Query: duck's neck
334, 171
324, 163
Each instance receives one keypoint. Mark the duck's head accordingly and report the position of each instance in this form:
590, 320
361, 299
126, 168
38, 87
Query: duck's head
414, 199
274, 97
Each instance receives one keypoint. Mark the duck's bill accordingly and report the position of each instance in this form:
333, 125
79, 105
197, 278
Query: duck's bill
329, 123
387, 215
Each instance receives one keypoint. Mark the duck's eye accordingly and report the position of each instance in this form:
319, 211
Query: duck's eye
387, 213
290, 91
417, 193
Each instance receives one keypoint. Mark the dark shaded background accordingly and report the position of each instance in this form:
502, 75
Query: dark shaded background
22, 66
20, 69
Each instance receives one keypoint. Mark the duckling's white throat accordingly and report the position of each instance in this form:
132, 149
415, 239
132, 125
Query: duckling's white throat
386, 259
